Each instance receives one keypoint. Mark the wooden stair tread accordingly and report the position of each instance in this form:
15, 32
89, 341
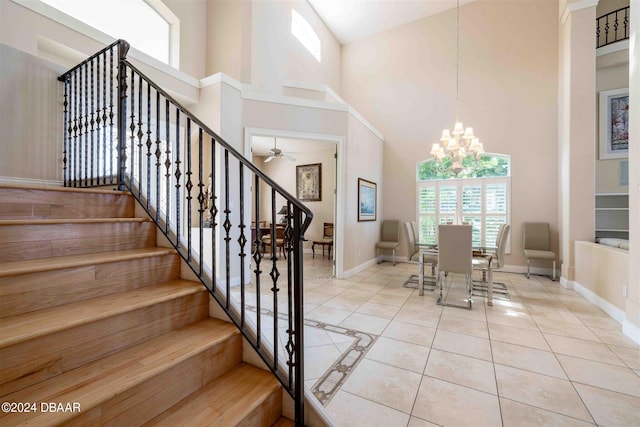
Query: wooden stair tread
48, 321
70, 221
284, 422
101, 380
223, 402
97, 190
71, 261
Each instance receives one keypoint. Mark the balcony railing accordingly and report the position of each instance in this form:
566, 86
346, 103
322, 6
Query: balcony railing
612, 27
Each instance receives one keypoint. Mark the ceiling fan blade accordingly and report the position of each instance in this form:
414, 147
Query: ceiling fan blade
268, 159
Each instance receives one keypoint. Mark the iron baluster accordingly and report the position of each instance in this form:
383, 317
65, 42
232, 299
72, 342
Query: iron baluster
188, 187
91, 157
275, 274
158, 156
298, 313
64, 137
242, 240
288, 244
178, 174
167, 164
86, 125
201, 203
104, 118
149, 145
213, 211
132, 129
98, 120
257, 253
75, 165
139, 135
123, 47
111, 83
227, 227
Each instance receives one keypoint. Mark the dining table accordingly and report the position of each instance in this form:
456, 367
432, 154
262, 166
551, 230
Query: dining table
481, 255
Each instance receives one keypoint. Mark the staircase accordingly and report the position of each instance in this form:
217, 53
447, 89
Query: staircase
98, 328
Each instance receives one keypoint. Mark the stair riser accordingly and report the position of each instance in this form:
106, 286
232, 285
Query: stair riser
267, 413
25, 242
35, 291
143, 402
43, 204
27, 363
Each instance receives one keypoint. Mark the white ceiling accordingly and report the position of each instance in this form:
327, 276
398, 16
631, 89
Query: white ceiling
353, 20
260, 145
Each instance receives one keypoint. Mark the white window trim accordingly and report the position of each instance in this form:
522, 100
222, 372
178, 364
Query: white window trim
68, 21
459, 183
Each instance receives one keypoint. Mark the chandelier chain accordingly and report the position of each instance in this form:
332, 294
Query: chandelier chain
457, 58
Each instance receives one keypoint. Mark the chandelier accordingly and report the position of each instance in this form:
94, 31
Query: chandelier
460, 143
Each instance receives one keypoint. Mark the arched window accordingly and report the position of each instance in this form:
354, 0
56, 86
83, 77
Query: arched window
145, 25
479, 195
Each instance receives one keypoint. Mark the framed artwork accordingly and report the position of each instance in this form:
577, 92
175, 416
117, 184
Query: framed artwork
614, 124
309, 182
367, 193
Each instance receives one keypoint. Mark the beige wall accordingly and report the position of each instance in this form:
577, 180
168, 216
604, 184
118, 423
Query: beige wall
193, 25
278, 56
603, 270
606, 6
228, 22
403, 81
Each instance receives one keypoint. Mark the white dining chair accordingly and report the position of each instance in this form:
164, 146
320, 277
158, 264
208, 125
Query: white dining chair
455, 255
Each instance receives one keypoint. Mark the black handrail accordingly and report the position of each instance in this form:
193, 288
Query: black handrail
615, 19
152, 154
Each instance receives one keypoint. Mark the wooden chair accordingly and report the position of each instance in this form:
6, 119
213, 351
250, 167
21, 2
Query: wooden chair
280, 241
326, 240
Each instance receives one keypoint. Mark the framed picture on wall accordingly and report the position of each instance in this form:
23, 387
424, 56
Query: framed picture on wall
309, 182
614, 124
367, 194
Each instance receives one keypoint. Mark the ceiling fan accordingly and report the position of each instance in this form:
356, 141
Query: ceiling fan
276, 153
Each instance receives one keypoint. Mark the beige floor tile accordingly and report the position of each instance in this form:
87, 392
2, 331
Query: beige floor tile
513, 318
527, 358
541, 391
628, 355
344, 303
465, 345
319, 359
408, 332
566, 329
462, 370
332, 316
396, 290
402, 354
394, 300
364, 322
464, 326
349, 410
316, 297
610, 408
378, 310
477, 313
609, 377
418, 317
585, 349
533, 339
384, 384
448, 404
314, 337
417, 422
515, 414
600, 320
554, 314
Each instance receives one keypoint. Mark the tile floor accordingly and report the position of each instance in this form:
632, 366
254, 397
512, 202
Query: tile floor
378, 354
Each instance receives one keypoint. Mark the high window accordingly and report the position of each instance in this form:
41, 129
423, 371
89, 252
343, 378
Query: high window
480, 198
135, 21
301, 29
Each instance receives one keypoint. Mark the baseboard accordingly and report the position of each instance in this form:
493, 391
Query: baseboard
631, 331
10, 180
613, 311
348, 273
628, 329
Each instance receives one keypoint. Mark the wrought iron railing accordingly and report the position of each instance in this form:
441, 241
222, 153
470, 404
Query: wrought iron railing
120, 128
612, 27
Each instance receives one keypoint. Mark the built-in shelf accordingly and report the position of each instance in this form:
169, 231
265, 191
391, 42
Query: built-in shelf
612, 215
